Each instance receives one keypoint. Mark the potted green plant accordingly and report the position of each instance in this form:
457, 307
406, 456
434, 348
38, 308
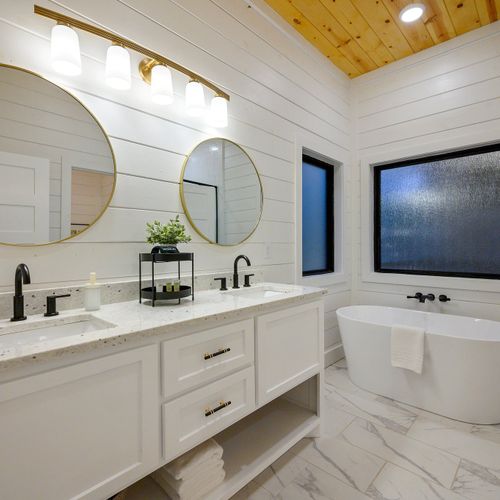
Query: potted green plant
166, 236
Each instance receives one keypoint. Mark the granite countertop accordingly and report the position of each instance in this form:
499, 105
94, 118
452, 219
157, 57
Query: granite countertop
123, 322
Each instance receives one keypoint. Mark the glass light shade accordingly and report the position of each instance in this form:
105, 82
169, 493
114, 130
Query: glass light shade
161, 85
412, 12
65, 50
195, 98
218, 112
118, 68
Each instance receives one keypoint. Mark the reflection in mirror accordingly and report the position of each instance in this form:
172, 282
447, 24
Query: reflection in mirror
221, 192
57, 170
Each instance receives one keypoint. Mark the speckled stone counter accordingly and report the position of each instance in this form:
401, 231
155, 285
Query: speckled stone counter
130, 321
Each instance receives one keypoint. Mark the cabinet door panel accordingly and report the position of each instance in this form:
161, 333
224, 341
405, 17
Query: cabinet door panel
81, 431
288, 351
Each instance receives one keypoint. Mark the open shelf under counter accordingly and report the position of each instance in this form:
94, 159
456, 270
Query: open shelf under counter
250, 446
254, 443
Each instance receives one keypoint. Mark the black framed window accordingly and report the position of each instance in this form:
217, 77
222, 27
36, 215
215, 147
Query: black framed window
439, 215
317, 216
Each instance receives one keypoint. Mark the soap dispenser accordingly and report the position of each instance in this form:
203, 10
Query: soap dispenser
92, 292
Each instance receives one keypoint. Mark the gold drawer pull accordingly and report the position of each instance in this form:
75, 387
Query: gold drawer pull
222, 404
216, 353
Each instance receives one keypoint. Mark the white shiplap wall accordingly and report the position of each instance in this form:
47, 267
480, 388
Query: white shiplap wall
444, 98
280, 88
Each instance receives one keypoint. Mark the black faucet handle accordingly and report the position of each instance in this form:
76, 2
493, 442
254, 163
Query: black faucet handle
444, 298
51, 304
418, 296
431, 297
247, 279
223, 283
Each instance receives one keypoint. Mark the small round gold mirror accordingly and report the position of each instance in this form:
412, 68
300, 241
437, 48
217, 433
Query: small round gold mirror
57, 168
221, 192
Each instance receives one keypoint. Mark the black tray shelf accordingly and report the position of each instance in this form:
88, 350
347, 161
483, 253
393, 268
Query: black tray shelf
151, 292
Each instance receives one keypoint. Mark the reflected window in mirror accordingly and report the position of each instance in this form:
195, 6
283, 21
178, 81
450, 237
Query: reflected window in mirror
221, 192
317, 216
57, 169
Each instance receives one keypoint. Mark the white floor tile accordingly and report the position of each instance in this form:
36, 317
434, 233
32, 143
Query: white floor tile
488, 432
397, 483
350, 464
396, 419
412, 455
462, 444
447, 422
295, 479
476, 482
335, 421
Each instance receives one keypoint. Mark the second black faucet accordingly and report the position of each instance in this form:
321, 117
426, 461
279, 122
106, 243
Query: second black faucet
235, 274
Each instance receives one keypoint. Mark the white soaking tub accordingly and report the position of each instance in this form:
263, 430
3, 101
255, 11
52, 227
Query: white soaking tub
461, 372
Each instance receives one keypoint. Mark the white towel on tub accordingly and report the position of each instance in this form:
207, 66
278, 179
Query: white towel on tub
407, 347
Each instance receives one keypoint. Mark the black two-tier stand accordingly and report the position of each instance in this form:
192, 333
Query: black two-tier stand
150, 292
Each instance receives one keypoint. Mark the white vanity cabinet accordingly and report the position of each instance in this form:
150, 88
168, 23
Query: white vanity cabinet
89, 429
82, 431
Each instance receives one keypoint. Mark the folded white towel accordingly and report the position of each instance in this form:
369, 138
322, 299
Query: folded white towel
195, 492
196, 481
407, 347
180, 467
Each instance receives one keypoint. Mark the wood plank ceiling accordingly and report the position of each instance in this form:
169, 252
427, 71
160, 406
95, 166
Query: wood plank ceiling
361, 35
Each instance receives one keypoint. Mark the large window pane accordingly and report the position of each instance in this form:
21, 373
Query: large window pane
440, 215
317, 217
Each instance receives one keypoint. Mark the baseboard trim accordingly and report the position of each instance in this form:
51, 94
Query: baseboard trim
333, 354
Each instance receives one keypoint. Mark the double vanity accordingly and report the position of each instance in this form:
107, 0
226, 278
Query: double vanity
92, 402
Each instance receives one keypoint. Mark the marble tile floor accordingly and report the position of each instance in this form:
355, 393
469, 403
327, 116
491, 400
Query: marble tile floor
377, 448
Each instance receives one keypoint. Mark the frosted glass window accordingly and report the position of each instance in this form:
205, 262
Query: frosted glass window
440, 215
317, 217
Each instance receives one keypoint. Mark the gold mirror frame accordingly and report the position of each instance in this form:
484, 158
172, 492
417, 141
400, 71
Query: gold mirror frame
98, 123
183, 199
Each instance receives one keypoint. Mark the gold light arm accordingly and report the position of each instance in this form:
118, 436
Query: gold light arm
154, 56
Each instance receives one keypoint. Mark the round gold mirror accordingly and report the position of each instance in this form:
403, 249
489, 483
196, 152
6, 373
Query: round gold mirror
221, 192
57, 168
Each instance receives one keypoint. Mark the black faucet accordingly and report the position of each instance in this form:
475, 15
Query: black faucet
421, 297
22, 276
235, 274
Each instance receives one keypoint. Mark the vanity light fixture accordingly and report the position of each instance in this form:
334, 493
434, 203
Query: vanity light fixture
195, 98
161, 85
218, 112
65, 50
412, 12
66, 59
118, 67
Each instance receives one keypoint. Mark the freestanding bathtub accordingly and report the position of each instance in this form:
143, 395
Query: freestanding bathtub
461, 371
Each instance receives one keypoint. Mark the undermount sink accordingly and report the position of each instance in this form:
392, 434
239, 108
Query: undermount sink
260, 292
42, 331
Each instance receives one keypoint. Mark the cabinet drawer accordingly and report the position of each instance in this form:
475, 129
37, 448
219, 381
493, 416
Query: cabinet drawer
196, 359
289, 349
200, 414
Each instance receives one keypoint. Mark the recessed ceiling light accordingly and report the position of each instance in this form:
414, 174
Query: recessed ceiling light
412, 12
